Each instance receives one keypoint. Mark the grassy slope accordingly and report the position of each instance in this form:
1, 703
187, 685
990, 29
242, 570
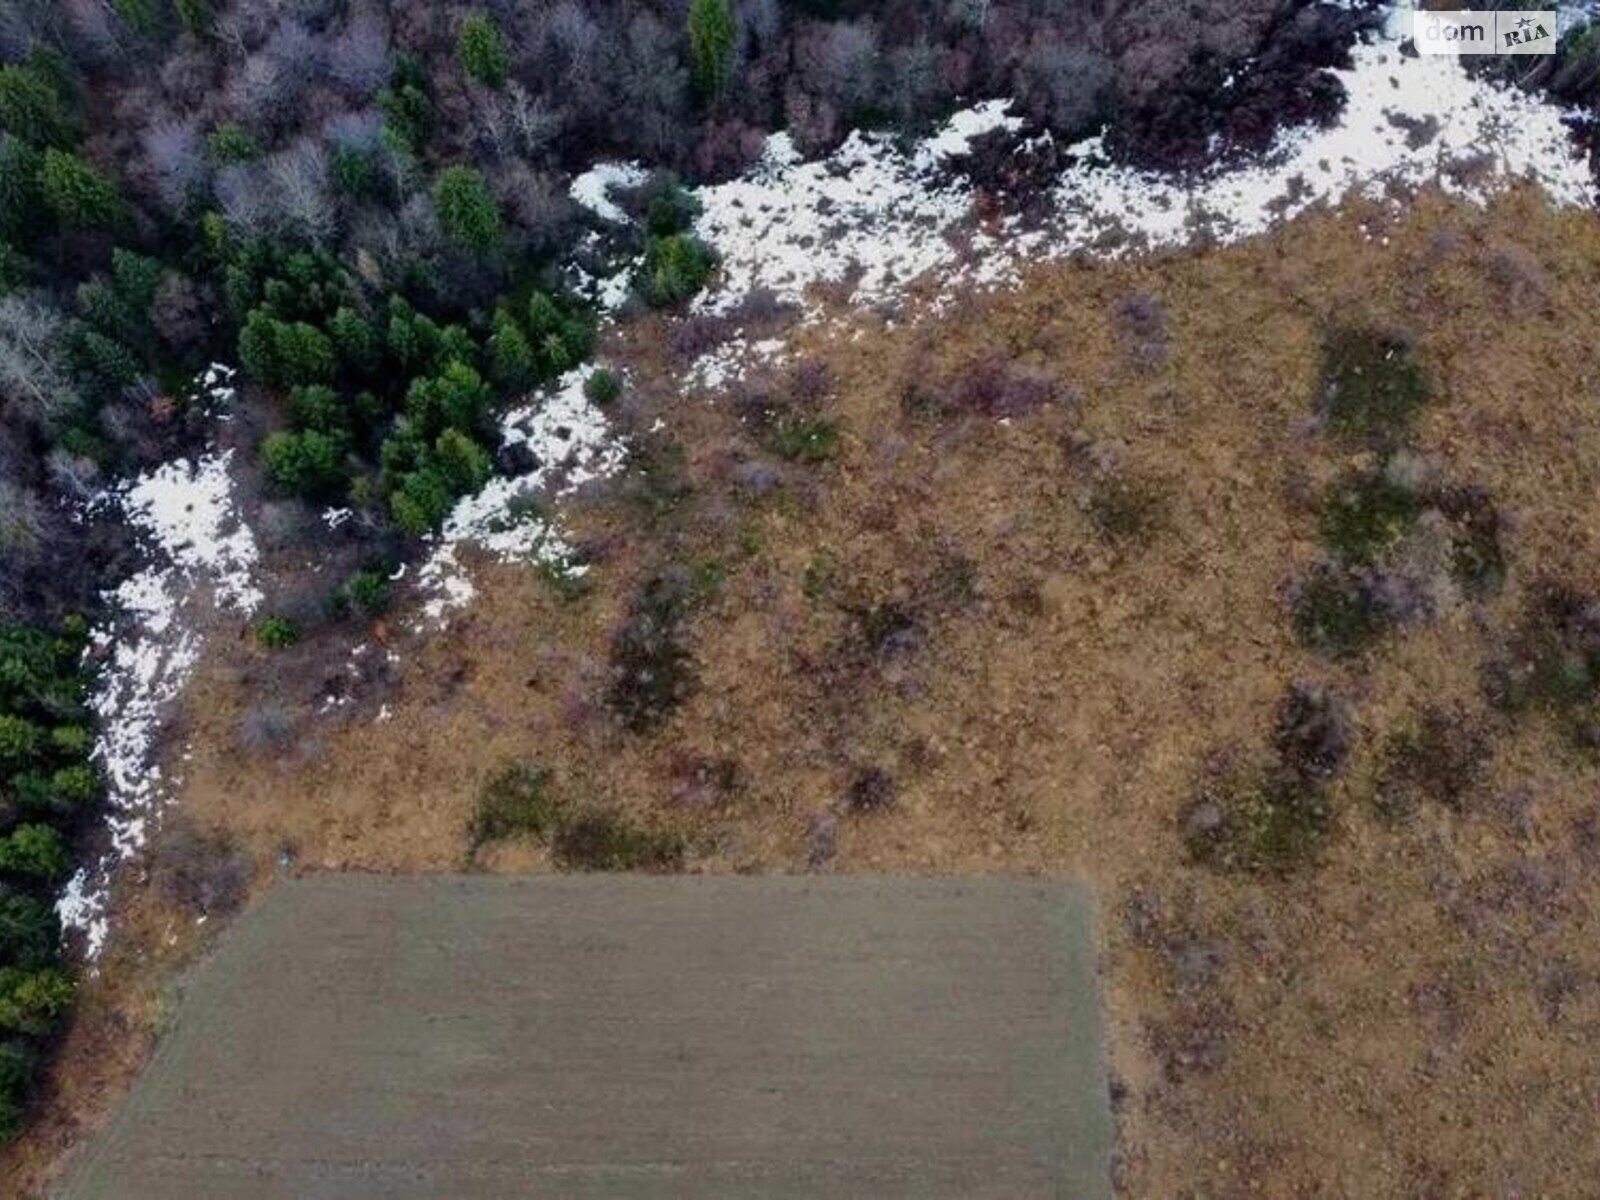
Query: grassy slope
1385, 1023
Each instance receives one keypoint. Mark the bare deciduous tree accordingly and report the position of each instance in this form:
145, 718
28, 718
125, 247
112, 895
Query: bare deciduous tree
303, 196
358, 59
176, 157
33, 372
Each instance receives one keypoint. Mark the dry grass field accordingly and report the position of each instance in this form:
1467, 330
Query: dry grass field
1004, 590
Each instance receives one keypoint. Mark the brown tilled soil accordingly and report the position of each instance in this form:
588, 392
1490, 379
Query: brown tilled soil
1036, 595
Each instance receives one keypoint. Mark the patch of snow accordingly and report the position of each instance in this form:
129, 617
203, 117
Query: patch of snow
186, 515
571, 443
959, 131
593, 188
874, 217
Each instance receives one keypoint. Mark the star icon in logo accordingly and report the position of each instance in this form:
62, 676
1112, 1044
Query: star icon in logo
1524, 23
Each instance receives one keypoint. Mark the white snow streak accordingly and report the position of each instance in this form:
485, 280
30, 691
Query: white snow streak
880, 217
186, 515
571, 443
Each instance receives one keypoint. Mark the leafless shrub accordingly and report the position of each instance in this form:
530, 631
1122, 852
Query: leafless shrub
999, 388
1313, 732
265, 727
822, 841
1144, 329
73, 475
21, 522
201, 870
871, 790
1519, 275
515, 122
177, 313
536, 202
1060, 85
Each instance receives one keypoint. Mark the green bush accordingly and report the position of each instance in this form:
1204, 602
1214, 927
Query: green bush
23, 213
20, 741
33, 106
369, 592
277, 632
30, 931
17, 1063
1440, 757
804, 439
1372, 386
671, 210
284, 353
469, 214
354, 172
456, 398
515, 802
675, 268
46, 779
421, 502
601, 840
193, 15
652, 669
602, 387
407, 110
463, 463
482, 51
1366, 514
356, 344
1123, 508
1258, 821
1551, 664
1336, 613
511, 359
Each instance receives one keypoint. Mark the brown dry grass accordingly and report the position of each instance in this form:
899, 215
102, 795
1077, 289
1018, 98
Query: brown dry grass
1383, 1024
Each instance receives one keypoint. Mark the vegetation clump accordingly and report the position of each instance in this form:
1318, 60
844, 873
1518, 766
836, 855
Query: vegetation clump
277, 632
1276, 817
804, 439
1125, 509
1373, 388
1440, 758
482, 50
519, 801
651, 665
1336, 611
604, 840
1365, 514
515, 802
1552, 664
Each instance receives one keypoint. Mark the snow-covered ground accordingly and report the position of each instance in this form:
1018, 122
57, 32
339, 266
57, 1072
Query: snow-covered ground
883, 216
571, 444
198, 548
874, 212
